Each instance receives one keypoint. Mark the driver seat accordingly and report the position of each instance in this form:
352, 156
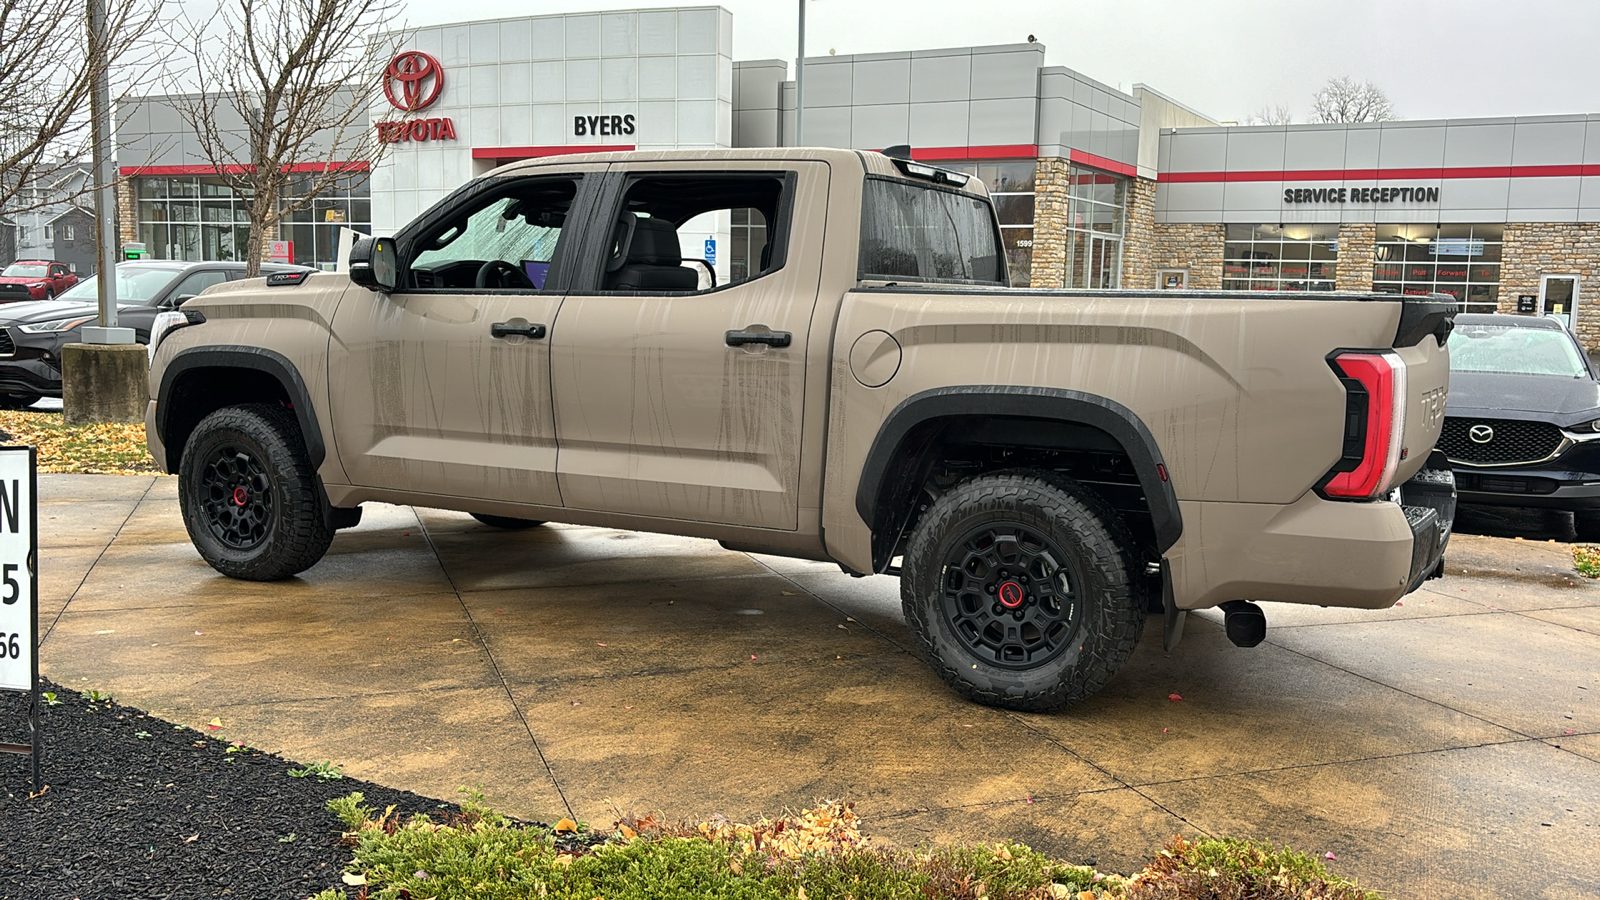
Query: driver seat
648, 258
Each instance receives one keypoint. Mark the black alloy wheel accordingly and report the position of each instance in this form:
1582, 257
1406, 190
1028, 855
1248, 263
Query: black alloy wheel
236, 494
1021, 590
1011, 596
250, 497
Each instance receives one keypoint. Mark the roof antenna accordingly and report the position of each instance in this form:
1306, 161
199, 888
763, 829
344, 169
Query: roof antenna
898, 151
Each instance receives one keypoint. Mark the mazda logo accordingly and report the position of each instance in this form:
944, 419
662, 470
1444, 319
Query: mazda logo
1480, 434
413, 80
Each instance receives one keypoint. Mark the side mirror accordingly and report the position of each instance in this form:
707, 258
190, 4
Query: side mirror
181, 300
373, 264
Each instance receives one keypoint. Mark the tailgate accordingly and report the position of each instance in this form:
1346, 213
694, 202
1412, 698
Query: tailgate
1425, 324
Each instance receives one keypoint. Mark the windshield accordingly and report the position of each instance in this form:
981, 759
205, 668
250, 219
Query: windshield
24, 270
134, 285
1515, 350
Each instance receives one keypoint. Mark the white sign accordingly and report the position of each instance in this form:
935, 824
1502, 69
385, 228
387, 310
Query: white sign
280, 251
19, 600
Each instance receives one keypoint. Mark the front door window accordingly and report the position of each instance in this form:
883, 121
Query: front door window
1558, 297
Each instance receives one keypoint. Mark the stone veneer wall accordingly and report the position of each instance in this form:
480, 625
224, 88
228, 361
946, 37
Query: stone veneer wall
1357, 252
1050, 183
1196, 247
127, 218
1534, 249
1138, 239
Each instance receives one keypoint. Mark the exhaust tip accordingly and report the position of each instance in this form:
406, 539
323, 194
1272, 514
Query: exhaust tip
1245, 623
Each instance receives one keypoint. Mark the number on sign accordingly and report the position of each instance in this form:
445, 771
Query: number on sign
13, 590
9, 648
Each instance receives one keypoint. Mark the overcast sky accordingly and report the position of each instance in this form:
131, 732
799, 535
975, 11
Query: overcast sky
1435, 58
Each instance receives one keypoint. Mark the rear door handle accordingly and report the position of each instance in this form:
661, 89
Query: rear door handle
770, 338
506, 329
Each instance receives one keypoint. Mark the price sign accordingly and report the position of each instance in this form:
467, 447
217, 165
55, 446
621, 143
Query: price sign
19, 600
19, 590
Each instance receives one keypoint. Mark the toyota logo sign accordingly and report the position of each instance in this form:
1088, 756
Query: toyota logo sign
1480, 434
413, 80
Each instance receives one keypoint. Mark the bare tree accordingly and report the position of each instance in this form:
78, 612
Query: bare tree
1343, 100
283, 99
46, 74
1270, 114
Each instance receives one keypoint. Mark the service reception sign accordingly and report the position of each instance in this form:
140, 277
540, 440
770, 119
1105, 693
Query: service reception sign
18, 597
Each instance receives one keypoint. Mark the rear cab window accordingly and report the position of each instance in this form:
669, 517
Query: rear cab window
922, 232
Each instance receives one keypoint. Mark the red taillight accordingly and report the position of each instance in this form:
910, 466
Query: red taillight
1375, 424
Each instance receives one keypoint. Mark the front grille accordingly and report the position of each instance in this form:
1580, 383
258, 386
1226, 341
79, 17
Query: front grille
1508, 441
8, 347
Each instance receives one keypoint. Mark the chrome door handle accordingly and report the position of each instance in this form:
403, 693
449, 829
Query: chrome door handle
770, 338
506, 329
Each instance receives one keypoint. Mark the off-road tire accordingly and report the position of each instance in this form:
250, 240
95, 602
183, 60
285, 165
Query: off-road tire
1586, 523
507, 522
1094, 542
293, 531
18, 401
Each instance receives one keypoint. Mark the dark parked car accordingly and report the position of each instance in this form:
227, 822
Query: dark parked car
1522, 427
32, 333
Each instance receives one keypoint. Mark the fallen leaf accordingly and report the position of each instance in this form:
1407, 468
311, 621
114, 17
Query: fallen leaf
214, 724
577, 703
787, 593
627, 707
1174, 697
566, 825
752, 656
1329, 854
801, 895
630, 834
1399, 603
598, 644
353, 879
199, 632
192, 838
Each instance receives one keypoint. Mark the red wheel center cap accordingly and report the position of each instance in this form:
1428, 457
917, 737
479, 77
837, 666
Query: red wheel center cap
240, 496
1011, 595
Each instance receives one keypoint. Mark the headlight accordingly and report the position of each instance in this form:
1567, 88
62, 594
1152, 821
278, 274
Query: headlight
39, 285
1588, 426
169, 321
55, 325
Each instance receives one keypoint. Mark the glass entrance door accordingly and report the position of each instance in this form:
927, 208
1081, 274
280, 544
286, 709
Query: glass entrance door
1103, 261
1558, 298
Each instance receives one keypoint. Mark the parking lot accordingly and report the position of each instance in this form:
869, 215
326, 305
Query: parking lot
1448, 747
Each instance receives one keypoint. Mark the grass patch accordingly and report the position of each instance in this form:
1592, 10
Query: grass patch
1586, 560
106, 449
813, 855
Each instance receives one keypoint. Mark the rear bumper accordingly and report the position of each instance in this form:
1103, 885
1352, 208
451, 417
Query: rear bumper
1323, 552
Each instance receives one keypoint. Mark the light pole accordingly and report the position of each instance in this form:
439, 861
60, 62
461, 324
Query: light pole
800, 84
105, 197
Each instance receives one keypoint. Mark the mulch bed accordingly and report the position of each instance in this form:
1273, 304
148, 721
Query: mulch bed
170, 815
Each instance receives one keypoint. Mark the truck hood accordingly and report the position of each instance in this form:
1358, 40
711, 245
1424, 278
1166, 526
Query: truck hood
1486, 394
46, 310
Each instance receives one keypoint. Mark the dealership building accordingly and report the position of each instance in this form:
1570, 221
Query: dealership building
1095, 187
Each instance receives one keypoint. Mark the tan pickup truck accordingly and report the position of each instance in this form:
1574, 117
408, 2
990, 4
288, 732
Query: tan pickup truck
1040, 467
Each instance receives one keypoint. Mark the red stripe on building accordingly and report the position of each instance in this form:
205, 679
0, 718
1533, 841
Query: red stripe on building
515, 153
241, 170
1100, 162
996, 151
1441, 172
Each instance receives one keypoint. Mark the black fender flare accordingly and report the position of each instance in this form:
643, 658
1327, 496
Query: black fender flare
258, 359
1056, 404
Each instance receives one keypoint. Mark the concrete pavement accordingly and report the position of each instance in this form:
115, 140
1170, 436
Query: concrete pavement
1449, 747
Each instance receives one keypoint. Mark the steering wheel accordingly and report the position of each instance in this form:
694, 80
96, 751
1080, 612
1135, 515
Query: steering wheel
505, 274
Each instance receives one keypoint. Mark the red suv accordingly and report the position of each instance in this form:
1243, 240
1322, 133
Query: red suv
34, 279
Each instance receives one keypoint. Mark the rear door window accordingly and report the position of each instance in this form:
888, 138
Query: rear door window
910, 232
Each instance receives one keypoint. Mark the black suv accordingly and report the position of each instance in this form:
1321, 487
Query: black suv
32, 333
1523, 423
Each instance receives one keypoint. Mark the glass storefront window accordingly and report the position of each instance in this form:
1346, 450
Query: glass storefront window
1280, 257
1460, 260
203, 218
